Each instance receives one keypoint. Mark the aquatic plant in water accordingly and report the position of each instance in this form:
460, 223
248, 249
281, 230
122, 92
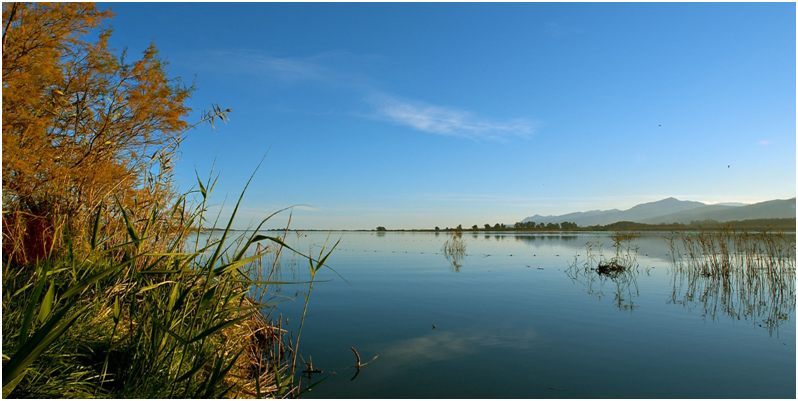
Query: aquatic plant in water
621, 269
454, 249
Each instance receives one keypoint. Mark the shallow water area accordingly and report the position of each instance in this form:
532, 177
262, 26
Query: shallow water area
518, 317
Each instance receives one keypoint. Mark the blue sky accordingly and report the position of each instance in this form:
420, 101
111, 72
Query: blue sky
423, 115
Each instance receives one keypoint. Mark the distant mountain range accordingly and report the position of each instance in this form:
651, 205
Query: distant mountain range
672, 210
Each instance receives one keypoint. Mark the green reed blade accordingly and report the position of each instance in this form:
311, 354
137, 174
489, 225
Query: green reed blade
131, 230
8, 388
26, 320
193, 370
79, 287
226, 369
215, 257
117, 311
47, 303
156, 285
210, 381
202, 187
173, 297
176, 336
219, 327
231, 266
39, 342
255, 236
96, 230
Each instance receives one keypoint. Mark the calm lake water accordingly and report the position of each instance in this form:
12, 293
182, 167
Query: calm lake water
514, 319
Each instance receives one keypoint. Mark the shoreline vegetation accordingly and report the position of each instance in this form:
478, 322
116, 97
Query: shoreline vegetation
780, 224
105, 292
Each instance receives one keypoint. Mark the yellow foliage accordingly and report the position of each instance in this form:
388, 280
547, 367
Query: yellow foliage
81, 123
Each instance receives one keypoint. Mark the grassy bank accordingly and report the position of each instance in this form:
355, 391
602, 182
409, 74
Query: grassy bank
136, 310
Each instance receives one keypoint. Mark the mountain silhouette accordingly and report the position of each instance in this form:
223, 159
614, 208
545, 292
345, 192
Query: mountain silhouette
672, 210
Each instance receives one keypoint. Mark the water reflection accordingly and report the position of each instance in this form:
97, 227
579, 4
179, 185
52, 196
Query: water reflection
621, 269
750, 279
486, 315
530, 239
764, 296
454, 250
442, 345
743, 275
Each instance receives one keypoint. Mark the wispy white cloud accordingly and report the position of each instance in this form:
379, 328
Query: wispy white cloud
333, 67
284, 68
447, 121
339, 69
765, 142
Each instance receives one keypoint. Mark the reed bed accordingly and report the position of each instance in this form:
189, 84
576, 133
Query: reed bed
720, 252
743, 275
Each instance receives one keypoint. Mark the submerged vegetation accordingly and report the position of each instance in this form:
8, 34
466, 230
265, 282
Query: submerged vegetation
107, 289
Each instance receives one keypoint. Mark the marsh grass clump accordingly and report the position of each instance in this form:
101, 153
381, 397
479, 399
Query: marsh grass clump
611, 268
624, 257
454, 249
621, 269
455, 245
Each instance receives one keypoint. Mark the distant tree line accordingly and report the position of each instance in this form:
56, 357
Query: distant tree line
530, 225
527, 226
754, 224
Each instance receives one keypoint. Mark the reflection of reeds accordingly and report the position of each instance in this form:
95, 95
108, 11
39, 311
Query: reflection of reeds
625, 257
454, 250
621, 270
741, 274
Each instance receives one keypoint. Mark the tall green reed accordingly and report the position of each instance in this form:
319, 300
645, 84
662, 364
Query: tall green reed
142, 313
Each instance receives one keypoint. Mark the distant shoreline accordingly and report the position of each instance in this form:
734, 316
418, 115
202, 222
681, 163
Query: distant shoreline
787, 225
